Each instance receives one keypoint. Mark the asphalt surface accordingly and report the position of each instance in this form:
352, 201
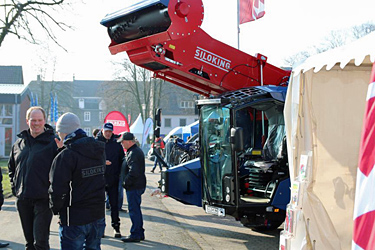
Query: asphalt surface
168, 225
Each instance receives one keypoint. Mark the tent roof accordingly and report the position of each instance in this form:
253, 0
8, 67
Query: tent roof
137, 126
359, 51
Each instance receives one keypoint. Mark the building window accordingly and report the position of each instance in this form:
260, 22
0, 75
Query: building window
88, 131
187, 104
183, 122
6, 110
102, 105
87, 116
101, 117
81, 103
167, 122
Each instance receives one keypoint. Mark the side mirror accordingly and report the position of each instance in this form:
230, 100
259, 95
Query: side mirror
236, 139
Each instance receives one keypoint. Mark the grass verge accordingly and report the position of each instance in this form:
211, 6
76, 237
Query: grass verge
6, 183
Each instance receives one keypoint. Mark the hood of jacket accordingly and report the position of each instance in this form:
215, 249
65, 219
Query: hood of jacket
86, 146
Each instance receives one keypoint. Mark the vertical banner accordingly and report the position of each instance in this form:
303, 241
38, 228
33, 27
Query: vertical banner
364, 206
120, 124
52, 112
56, 109
147, 128
32, 103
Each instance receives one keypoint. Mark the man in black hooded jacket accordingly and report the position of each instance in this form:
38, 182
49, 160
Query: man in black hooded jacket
29, 165
114, 158
77, 186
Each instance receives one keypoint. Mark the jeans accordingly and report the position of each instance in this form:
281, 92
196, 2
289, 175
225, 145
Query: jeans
134, 205
155, 163
36, 219
82, 237
120, 197
112, 192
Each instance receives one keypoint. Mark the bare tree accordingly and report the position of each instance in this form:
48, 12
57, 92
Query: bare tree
44, 89
359, 31
334, 39
22, 19
133, 92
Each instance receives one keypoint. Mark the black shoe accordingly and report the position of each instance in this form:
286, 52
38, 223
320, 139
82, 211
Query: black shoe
123, 210
130, 239
2, 245
117, 233
152, 171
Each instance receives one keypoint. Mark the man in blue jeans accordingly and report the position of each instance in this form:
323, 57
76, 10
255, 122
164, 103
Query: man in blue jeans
77, 190
135, 185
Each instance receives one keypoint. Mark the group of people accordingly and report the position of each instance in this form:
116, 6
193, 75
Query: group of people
68, 175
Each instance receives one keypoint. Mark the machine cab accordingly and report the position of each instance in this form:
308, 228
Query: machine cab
243, 156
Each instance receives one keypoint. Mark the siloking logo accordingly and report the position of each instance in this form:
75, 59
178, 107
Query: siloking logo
212, 59
117, 123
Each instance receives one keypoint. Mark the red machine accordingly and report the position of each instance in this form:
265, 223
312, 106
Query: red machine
164, 36
239, 173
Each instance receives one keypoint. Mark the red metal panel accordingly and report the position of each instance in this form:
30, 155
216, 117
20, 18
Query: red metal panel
189, 57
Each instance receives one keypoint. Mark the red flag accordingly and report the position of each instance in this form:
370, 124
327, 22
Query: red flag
250, 10
364, 207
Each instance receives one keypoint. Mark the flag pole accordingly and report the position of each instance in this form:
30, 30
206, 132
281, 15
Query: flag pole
238, 24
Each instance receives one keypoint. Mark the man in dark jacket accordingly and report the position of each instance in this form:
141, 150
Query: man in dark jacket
2, 245
135, 185
77, 191
29, 165
114, 157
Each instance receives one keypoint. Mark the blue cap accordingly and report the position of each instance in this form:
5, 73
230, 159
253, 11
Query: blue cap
108, 126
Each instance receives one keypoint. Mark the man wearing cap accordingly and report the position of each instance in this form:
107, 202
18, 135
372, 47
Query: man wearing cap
29, 165
114, 157
135, 185
77, 190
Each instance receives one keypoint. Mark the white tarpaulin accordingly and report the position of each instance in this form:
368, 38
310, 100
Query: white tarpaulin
137, 128
323, 117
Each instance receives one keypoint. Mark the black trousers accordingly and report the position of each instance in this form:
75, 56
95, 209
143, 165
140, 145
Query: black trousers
36, 219
112, 192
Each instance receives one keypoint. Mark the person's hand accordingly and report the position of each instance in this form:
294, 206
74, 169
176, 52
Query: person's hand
107, 162
59, 143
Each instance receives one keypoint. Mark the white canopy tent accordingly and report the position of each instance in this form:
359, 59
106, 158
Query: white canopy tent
137, 128
323, 117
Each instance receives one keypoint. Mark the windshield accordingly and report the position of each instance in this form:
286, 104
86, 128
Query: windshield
215, 139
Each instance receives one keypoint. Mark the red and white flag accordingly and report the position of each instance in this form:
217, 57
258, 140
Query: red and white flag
364, 206
250, 10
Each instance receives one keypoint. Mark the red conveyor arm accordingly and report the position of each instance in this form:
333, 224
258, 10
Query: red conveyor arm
187, 56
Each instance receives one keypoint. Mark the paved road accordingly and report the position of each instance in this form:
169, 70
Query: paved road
168, 224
